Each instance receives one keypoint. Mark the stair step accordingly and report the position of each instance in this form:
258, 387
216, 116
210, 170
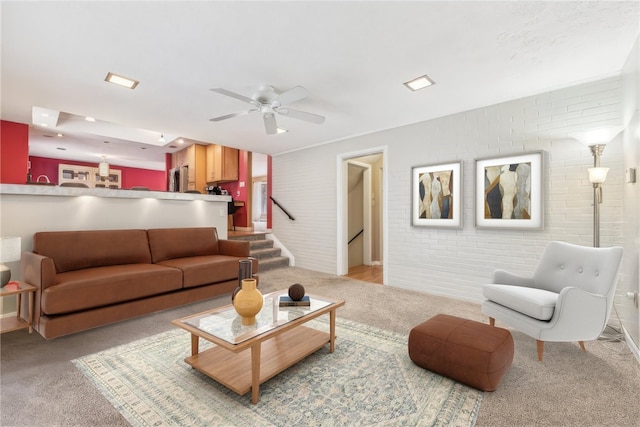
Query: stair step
260, 244
249, 236
262, 249
273, 263
265, 253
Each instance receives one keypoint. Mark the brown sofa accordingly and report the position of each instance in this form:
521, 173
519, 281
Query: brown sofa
87, 279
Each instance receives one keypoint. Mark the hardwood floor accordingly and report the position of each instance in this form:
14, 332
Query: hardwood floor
368, 273
237, 233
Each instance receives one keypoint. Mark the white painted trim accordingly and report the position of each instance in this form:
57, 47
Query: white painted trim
342, 261
283, 250
631, 344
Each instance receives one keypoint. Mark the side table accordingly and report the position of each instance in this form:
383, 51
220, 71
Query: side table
9, 324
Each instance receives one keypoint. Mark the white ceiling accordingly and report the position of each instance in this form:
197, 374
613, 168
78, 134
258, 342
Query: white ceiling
352, 57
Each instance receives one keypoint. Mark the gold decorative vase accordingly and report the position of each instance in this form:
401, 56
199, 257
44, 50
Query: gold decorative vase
248, 302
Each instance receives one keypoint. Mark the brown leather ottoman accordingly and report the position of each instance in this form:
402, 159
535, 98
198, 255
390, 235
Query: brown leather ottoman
467, 351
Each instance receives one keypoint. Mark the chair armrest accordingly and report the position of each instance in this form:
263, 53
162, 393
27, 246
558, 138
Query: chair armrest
502, 277
239, 248
579, 316
37, 270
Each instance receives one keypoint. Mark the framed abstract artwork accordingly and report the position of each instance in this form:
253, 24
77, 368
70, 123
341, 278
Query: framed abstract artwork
436, 195
508, 192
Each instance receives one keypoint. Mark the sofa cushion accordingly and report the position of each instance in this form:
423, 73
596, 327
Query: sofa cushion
204, 270
75, 250
533, 302
170, 243
95, 287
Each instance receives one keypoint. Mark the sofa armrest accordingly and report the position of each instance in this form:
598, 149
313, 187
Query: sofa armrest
38, 270
501, 277
239, 248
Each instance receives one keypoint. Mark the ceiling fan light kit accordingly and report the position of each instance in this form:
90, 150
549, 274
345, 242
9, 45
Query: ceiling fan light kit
269, 102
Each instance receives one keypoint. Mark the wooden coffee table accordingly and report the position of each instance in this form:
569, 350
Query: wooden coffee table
276, 341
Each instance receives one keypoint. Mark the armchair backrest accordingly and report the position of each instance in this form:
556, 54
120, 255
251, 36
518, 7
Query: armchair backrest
564, 265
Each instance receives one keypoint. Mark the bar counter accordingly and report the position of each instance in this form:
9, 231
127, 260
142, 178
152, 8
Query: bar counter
27, 209
54, 190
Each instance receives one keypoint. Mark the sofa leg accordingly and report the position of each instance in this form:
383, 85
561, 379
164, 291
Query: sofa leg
492, 321
582, 346
540, 345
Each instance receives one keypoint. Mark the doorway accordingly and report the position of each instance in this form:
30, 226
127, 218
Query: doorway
361, 215
258, 218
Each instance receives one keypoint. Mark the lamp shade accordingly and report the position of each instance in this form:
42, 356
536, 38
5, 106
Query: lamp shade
9, 249
598, 175
597, 136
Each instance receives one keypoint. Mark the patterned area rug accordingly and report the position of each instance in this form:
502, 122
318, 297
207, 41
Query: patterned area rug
368, 381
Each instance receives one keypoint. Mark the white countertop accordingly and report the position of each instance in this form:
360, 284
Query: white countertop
54, 190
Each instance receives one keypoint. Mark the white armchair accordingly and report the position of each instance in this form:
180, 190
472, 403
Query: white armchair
568, 298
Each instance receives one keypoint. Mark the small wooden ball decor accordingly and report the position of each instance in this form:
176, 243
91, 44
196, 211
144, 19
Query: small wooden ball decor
296, 292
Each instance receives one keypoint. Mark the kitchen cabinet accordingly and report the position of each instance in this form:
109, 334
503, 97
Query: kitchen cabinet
179, 158
222, 163
194, 157
89, 176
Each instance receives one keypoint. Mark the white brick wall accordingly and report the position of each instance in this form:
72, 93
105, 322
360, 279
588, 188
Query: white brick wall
457, 262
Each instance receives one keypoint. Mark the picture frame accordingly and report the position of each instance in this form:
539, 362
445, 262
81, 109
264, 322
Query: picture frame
509, 192
437, 195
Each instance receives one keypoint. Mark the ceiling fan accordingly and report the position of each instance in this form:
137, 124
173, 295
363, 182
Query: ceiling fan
269, 102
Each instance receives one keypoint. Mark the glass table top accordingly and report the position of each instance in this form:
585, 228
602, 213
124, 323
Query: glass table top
226, 323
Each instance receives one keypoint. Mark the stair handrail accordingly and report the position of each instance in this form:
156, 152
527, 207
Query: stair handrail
355, 237
283, 209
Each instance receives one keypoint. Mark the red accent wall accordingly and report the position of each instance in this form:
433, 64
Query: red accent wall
153, 179
239, 193
14, 152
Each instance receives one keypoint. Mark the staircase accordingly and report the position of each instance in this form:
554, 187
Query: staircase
262, 249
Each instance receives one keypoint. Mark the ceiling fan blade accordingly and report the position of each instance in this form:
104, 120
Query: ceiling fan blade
292, 95
229, 116
236, 96
270, 123
301, 115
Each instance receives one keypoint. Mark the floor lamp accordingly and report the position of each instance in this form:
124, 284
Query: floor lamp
596, 140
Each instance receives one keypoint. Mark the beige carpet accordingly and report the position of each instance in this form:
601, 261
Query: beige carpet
40, 386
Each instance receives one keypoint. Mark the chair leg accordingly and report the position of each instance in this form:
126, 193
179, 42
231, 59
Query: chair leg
492, 321
582, 346
540, 345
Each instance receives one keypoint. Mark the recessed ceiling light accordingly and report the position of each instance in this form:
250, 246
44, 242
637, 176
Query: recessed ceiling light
60, 135
90, 119
281, 130
121, 81
419, 83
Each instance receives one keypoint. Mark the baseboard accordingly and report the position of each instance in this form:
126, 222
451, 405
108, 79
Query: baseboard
631, 344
